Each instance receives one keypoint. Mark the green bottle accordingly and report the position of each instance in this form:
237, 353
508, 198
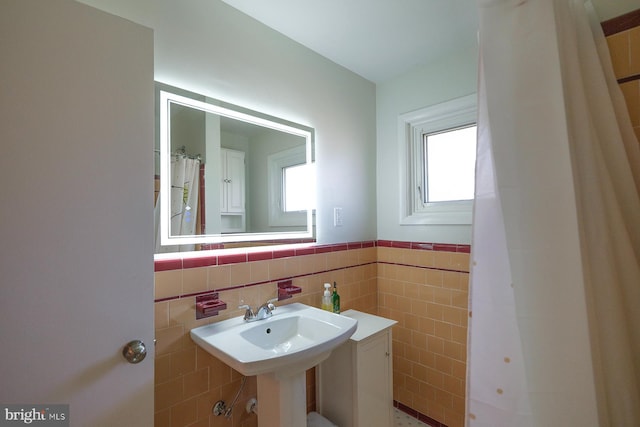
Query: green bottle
335, 298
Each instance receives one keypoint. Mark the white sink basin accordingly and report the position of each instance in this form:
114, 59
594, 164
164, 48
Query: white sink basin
293, 340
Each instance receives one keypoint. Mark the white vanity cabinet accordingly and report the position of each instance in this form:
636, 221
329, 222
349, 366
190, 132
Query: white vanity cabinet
355, 384
232, 191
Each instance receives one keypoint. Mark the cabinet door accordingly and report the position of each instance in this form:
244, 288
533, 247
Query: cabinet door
233, 181
235, 174
374, 382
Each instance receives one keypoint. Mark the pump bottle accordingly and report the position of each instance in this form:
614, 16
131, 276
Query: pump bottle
327, 303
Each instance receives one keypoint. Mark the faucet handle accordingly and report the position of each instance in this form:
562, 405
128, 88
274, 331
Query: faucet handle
271, 304
248, 314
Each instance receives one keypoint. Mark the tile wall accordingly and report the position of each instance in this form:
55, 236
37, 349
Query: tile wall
188, 381
423, 286
623, 38
426, 291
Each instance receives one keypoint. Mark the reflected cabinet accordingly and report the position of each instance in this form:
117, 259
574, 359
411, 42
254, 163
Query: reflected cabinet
232, 191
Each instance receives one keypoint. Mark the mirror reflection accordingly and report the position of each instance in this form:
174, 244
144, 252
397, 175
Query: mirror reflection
229, 175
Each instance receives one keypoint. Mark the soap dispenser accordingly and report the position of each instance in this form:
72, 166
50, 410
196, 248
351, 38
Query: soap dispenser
327, 303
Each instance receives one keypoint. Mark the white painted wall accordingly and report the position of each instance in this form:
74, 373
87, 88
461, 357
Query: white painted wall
449, 78
222, 53
607, 9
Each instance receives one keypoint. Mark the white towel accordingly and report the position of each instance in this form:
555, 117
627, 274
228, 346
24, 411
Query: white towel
314, 419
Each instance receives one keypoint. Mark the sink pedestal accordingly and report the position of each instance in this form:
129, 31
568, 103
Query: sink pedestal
278, 350
282, 402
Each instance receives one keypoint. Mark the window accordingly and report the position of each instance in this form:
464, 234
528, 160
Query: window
438, 144
291, 187
297, 182
448, 165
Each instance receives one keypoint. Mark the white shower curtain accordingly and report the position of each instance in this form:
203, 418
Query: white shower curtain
185, 179
555, 279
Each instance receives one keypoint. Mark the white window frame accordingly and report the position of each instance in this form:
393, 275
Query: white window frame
412, 126
276, 162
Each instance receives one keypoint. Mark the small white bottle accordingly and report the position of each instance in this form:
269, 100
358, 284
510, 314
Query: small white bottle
327, 303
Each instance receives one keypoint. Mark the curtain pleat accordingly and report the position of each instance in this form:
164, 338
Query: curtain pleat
184, 207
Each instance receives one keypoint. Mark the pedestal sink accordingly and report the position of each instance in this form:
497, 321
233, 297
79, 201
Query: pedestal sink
278, 350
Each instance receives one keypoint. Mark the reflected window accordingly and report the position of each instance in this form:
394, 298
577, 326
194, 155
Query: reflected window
298, 186
291, 187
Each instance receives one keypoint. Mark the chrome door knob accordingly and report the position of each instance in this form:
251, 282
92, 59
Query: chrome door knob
135, 351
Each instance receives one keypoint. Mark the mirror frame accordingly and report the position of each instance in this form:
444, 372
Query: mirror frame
168, 95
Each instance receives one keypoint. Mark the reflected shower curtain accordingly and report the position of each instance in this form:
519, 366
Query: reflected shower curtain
185, 174
554, 327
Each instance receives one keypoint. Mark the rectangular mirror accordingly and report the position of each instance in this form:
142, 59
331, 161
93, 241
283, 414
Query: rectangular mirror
228, 174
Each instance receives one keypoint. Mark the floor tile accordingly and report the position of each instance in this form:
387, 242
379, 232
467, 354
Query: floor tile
401, 419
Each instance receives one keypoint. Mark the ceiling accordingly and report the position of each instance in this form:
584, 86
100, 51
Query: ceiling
380, 39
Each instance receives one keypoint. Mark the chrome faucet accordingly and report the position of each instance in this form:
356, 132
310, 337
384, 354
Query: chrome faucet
264, 311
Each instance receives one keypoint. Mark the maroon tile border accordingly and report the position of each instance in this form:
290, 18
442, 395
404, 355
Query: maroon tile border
621, 23
232, 258
168, 264
417, 415
206, 260
440, 247
628, 79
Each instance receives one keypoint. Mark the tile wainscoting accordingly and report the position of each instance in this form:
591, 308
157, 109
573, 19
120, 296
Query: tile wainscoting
623, 39
424, 286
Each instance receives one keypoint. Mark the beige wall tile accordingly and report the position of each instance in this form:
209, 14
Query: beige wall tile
277, 269
182, 312
442, 296
168, 284
161, 318
631, 92
443, 364
162, 369
634, 51
182, 362
443, 330
442, 259
170, 339
194, 280
168, 394
619, 49
196, 382
460, 261
428, 343
219, 277
312, 263
459, 369
162, 418
259, 271
184, 413
240, 274
435, 277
